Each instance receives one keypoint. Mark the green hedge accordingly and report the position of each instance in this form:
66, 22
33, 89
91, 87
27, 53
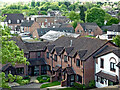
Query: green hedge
79, 86
43, 78
50, 84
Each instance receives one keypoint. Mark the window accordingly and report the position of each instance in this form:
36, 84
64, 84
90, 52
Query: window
20, 70
101, 63
79, 79
45, 20
9, 21
101, 81
55, 57
72, 77
112, 66
21, 20
38, 54
65, 58
78, 62
18, 21
48, 55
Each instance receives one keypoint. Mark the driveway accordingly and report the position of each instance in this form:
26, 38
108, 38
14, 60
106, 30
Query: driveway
31, 86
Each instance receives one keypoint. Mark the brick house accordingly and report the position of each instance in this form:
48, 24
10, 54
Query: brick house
14, 20
29, 26
73, 60
88, 29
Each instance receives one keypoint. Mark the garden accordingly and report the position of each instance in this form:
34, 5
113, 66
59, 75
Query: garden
43, 78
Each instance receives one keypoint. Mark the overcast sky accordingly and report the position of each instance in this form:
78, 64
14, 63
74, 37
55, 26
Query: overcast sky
54, 0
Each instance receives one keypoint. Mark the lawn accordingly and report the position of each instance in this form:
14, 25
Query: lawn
69, 88
90, 36
50, 84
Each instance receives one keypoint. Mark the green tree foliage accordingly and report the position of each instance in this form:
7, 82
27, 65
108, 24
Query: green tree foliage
38, 3
33, 3
112, 21
82, 13
74, 23
107, 16
73, 16
43, 12
116, 39
95, 15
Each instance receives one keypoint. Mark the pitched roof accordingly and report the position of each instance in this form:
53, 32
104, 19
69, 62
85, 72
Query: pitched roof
50, 47
27, 23
114, 28
20, 43
42, 31
108, 76
83, 45
14, 17
69, 70
36, 46
57, 49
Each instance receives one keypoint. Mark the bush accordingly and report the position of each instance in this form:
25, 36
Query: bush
23, 82
11, 77
43, 78
92, 84
19, 78
27, 78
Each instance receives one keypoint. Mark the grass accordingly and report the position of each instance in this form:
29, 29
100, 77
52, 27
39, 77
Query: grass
89, 36
50, 84
42, 80
69, 88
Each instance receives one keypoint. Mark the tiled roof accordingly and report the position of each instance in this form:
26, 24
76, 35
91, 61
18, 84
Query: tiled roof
27, 23
42, 31
114, 28
14, 17
81, 44
107, 76
69, 70
36, 46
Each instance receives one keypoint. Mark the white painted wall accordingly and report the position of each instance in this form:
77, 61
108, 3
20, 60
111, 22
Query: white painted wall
113, 33
106, 67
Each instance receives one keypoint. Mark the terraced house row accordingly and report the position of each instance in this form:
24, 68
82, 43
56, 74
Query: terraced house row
70, 60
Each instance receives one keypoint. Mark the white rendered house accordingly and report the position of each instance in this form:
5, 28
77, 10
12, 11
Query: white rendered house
107, 70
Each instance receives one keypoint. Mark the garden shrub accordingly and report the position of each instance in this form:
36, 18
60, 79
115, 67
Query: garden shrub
27, 78
19, 78
43, 78
79, 86
92, 84
11, 77
23, 82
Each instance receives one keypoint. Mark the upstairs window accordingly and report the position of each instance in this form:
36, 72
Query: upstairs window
38, 54
9, 21
18, 21
101, 63
55, 57
47, 55
78, 62
112, 66
65, 58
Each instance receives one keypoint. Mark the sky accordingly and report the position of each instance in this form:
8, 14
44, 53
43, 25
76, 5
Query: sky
54, 0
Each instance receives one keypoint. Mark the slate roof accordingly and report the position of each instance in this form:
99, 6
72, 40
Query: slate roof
114, 28
109, 49
107, 76
37, 61
14, 18
42, 31
89, 26
50, 47
57, 49
20, 44
36, 46
58, 25
27, 23
69, 70
84, 46
29, 46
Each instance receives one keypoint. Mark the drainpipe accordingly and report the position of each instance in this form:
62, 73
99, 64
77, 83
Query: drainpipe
83, 72
61, 66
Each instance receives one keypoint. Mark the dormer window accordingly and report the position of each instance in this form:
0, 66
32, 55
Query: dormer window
18, 21
9, 21
21, 20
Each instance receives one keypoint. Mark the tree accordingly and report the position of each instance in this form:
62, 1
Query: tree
116, 39
112, 21
38, 3
95, 15
74, 23
33, 3
73, 16
107, 16
82, 13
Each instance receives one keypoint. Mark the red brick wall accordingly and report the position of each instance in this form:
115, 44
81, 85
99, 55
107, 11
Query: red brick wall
35, 34
34, 27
